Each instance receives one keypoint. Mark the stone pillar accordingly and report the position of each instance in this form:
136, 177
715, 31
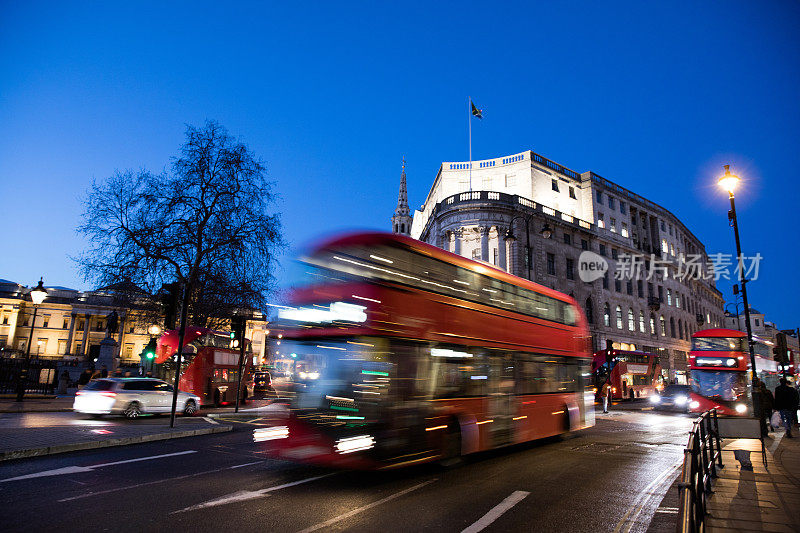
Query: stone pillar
459, 234
12, 326
72, 320
483, 235
121, 334
107, 357
501, 248
85, 341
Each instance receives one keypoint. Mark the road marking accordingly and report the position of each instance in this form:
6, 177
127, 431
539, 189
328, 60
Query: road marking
628, 520
246, 464
496, 511
243, 495
101, 492
210, 420
79, 469
365, 507
667, 510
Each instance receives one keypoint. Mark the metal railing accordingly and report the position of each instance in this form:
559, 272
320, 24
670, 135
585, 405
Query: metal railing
701, 458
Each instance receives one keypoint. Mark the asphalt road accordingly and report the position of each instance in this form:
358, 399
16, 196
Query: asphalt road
611, 477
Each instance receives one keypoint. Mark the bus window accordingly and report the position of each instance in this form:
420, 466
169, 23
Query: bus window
720, 344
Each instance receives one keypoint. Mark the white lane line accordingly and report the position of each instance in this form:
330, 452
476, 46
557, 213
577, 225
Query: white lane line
243, 495
101, 492
496, 511
210, 420
246, 464
365, 507
629, 520
79, 469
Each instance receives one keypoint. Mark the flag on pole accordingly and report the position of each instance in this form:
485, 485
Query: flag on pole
475, 111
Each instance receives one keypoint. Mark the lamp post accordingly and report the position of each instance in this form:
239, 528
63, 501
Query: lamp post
154, 331
546, 232
37, 294
729, 182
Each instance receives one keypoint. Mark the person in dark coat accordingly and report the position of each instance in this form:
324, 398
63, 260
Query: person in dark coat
786, 402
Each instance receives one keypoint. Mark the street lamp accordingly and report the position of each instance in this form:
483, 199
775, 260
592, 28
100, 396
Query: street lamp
729, 182
546, 232
37, 294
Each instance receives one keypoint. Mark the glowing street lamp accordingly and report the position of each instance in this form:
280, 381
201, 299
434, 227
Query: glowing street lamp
729, 181
37, 294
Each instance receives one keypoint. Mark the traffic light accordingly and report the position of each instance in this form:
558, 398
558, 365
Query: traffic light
149, 351
170, 301
237, 330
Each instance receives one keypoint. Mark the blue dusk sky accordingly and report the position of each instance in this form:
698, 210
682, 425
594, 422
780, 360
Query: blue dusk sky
653, 96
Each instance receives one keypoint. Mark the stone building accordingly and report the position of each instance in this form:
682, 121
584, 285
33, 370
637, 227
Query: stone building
70, 324
535, 218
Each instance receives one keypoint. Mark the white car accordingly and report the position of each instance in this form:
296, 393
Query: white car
132, 397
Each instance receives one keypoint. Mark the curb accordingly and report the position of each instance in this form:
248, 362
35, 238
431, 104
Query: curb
46, 410
64, 448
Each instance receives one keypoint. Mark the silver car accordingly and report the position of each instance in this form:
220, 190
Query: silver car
131, 397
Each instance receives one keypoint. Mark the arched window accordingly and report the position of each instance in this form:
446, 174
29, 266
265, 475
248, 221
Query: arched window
652, 324
403, 227
631, 320
663, 324
641, 321
606, 315
680, 328
619, 317
669, 297
672, 327
589, 311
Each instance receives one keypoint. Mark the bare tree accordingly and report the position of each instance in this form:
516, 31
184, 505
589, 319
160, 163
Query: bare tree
206, 224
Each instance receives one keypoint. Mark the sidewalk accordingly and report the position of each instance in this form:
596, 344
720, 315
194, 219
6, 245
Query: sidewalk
752, 496
34, 404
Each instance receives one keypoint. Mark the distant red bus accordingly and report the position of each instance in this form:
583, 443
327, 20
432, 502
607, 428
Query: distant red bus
403, 353
210, 367
632, 374
719, 373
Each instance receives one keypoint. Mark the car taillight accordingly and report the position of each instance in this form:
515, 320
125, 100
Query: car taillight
109, 394
79, 393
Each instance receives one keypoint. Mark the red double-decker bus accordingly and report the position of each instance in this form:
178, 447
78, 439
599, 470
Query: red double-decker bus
719, 372
404, 353
210, 366
631, 374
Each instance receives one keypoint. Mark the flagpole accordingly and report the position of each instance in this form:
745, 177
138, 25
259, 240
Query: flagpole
469, 121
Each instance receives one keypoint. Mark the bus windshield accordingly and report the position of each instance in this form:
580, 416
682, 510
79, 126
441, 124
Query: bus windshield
718, 344
725, 385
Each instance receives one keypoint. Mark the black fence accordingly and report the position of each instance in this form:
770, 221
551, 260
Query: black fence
37, 375
700, 459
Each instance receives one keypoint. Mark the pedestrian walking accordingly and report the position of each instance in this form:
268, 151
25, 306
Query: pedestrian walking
606, 393
786, 401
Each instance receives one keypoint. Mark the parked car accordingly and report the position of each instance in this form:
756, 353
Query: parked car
262, 385
131, 397
673, 397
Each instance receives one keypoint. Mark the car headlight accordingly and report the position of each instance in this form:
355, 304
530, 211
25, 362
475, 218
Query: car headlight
354, 444
741, 408
694, 404
655, 398
681, 400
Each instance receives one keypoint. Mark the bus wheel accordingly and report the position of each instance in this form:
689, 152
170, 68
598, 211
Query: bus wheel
451, 448
190, 409
133, 410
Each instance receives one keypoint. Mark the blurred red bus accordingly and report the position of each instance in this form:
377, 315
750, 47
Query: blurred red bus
633, 374
719, 372
210, 367
405, 353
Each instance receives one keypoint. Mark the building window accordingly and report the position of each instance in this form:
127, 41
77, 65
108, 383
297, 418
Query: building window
672, 327
26, 322
572, 193
476, 253
45, 321
606, 315
600, 222
589, 311
641, 321
567, 238
640, 288
130, 329
128, 351
652, 324
757, 322
663, 226
65, 325
614, 254
599, 197
680, 328
62, 346
611, 202
3, 341
669, 297
570, 268
631, 320
99, 326
618, 285
649, 290
677, 300
551, 264
622, 208
5, 319
613, 226
602, 249
584, 244
605, 280
619, 317
494, 256
660, 293
629, 287
41, 346
82, 325
554, 184
663, 323
624, 231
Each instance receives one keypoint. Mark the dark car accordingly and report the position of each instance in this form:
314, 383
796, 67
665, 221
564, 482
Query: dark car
673, 397
262, 385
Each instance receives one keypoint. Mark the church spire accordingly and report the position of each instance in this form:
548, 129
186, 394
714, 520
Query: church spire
401, 221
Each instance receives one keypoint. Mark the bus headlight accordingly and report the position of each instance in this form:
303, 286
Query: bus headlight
354, 444
681, 400
655, 398
741, 408
694, 404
